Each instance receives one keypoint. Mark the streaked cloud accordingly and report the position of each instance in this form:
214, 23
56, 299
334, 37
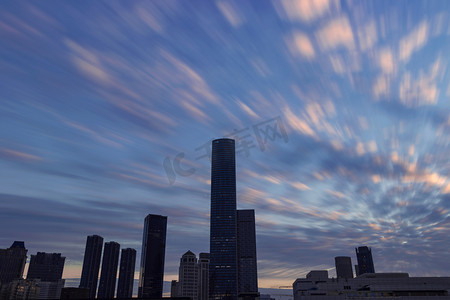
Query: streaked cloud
299, 43
412, 42
336, 33
305, 10
230, 12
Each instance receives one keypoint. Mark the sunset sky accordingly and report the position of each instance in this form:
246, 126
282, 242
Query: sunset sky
340, 109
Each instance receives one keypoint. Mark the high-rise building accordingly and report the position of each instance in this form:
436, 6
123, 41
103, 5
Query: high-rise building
203, 276
188, 276
246, 246
46, 266
174, 289
343, 267
152, 258
223, 242
12, 262
365, 261
91, 264
126, 273
108, 273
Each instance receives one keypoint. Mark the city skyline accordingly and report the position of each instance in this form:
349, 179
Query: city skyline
107, 108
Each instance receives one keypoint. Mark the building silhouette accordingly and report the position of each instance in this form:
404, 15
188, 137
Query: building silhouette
246, 246
203, 276
365, 261
46, 266
108, 274
12, 262
152, 258
343, 267
48, 269
126, 273
188, 276
91, 264
223, 242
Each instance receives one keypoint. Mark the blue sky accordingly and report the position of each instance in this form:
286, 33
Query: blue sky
340, 110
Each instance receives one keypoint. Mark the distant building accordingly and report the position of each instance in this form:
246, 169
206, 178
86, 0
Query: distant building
174, 289
91, 264
386, 286
343, 266
108, 275
126, 273
152, 258
246, 246
21, 289
46, 266
188, 276
12, 262
365, 261
203, 276
223, 272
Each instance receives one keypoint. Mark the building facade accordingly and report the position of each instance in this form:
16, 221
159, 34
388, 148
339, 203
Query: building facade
223, 240
91, 264
386, 286
152, 258
126, 273
12, 262
343, 267
46, 266
107, 285
188, 276
246, 245
365, 260
203, 276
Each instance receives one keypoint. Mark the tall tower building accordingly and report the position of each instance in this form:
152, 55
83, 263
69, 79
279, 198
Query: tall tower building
343, 267
108, 274
188, 276
126, 273
12, 262
246, 245
203, 276
365, 261
223, 242
46, 266
152, 258
91, 264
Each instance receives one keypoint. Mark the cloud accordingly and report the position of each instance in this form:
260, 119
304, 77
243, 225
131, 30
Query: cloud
386, 61
230, 12
18, 155
299, 43
304, 10
423, 90
367, 36
412, 42
381, 86
336, 33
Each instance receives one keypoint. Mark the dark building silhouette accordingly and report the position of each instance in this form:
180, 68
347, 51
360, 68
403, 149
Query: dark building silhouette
365, 261
152, 258
246, 245
91, 264
223, 242
108, 274
46, 266
74, 293
343, 267
126, 273
203, 276
12, 262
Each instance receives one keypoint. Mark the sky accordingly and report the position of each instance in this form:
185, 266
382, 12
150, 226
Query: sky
340, 111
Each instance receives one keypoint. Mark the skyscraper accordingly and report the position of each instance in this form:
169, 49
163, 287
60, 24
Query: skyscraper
46, 266
188, 276
108, 274
91, 264
365, 261
126, 273
223, 242
343, 267
12, 262
152, 258
246, 245
203, 276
